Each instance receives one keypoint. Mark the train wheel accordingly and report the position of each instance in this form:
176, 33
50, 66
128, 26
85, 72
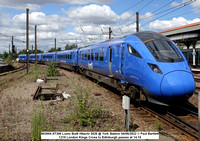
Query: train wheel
143, 97
133, 92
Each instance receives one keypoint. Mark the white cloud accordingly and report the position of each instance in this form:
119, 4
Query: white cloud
174, 4
148, 16
127, 15
5, 19
92, 14
44, 22
175, 22
194, 3
36, 4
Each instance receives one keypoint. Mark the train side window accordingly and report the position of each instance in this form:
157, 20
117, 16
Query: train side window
133, 51
82, 56
92, 56
88, 56
70, 56
101, 56
96, 56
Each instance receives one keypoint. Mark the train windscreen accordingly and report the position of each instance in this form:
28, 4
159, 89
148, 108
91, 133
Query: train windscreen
164, 51
160, 47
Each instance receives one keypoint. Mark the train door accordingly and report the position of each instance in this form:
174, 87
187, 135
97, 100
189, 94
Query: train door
73, 58
123, 62
90, 64
110, 60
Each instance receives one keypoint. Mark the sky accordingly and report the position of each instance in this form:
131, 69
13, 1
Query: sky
86, 22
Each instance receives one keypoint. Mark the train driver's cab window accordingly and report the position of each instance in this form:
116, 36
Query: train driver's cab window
132, 51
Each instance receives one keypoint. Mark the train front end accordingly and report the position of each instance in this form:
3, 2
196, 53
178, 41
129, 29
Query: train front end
169, 77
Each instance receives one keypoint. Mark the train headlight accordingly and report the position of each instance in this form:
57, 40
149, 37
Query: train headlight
155, 68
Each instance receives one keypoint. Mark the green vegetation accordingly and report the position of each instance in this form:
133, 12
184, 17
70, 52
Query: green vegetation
85, 112
159, 126
30, 51
7, 57
53, 49
36, 70
51, 70
38, 124
68, 47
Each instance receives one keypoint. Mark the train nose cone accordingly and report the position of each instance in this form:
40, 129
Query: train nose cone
177, 84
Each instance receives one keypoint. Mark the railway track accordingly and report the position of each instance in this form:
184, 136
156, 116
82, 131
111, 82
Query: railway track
13, 71
186, 123
183, 123
12, 75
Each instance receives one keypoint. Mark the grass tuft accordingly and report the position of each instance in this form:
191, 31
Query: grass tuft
86, 113
51, 70
38, 124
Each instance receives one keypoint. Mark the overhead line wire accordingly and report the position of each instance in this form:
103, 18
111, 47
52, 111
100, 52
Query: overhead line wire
177, 7
138, 10
187, 3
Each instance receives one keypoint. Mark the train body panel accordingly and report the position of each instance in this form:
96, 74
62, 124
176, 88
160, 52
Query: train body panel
22, 58
181, 88
68, 59
46, 57
102, 58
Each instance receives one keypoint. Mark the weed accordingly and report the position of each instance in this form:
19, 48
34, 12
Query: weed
51, 70
36, 71
8, 60
38, 124
159, 126
86, 113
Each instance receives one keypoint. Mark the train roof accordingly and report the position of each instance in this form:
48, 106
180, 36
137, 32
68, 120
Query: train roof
148, 35
67, 51
142, 36
49, 53
22, 55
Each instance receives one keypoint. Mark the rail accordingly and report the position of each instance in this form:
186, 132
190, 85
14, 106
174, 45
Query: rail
175, 122
13, 71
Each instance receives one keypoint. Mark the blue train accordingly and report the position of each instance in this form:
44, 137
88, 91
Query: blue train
146, 66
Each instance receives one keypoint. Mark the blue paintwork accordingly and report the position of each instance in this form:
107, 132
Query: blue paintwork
68, 56
49, 56
22, 57
32, 57
175, 82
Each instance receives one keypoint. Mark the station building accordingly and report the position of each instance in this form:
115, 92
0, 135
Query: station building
187, 38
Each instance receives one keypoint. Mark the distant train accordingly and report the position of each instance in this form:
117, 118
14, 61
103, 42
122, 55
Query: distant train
146, 66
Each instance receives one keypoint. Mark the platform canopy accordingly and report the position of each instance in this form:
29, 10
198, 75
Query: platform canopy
187, 34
